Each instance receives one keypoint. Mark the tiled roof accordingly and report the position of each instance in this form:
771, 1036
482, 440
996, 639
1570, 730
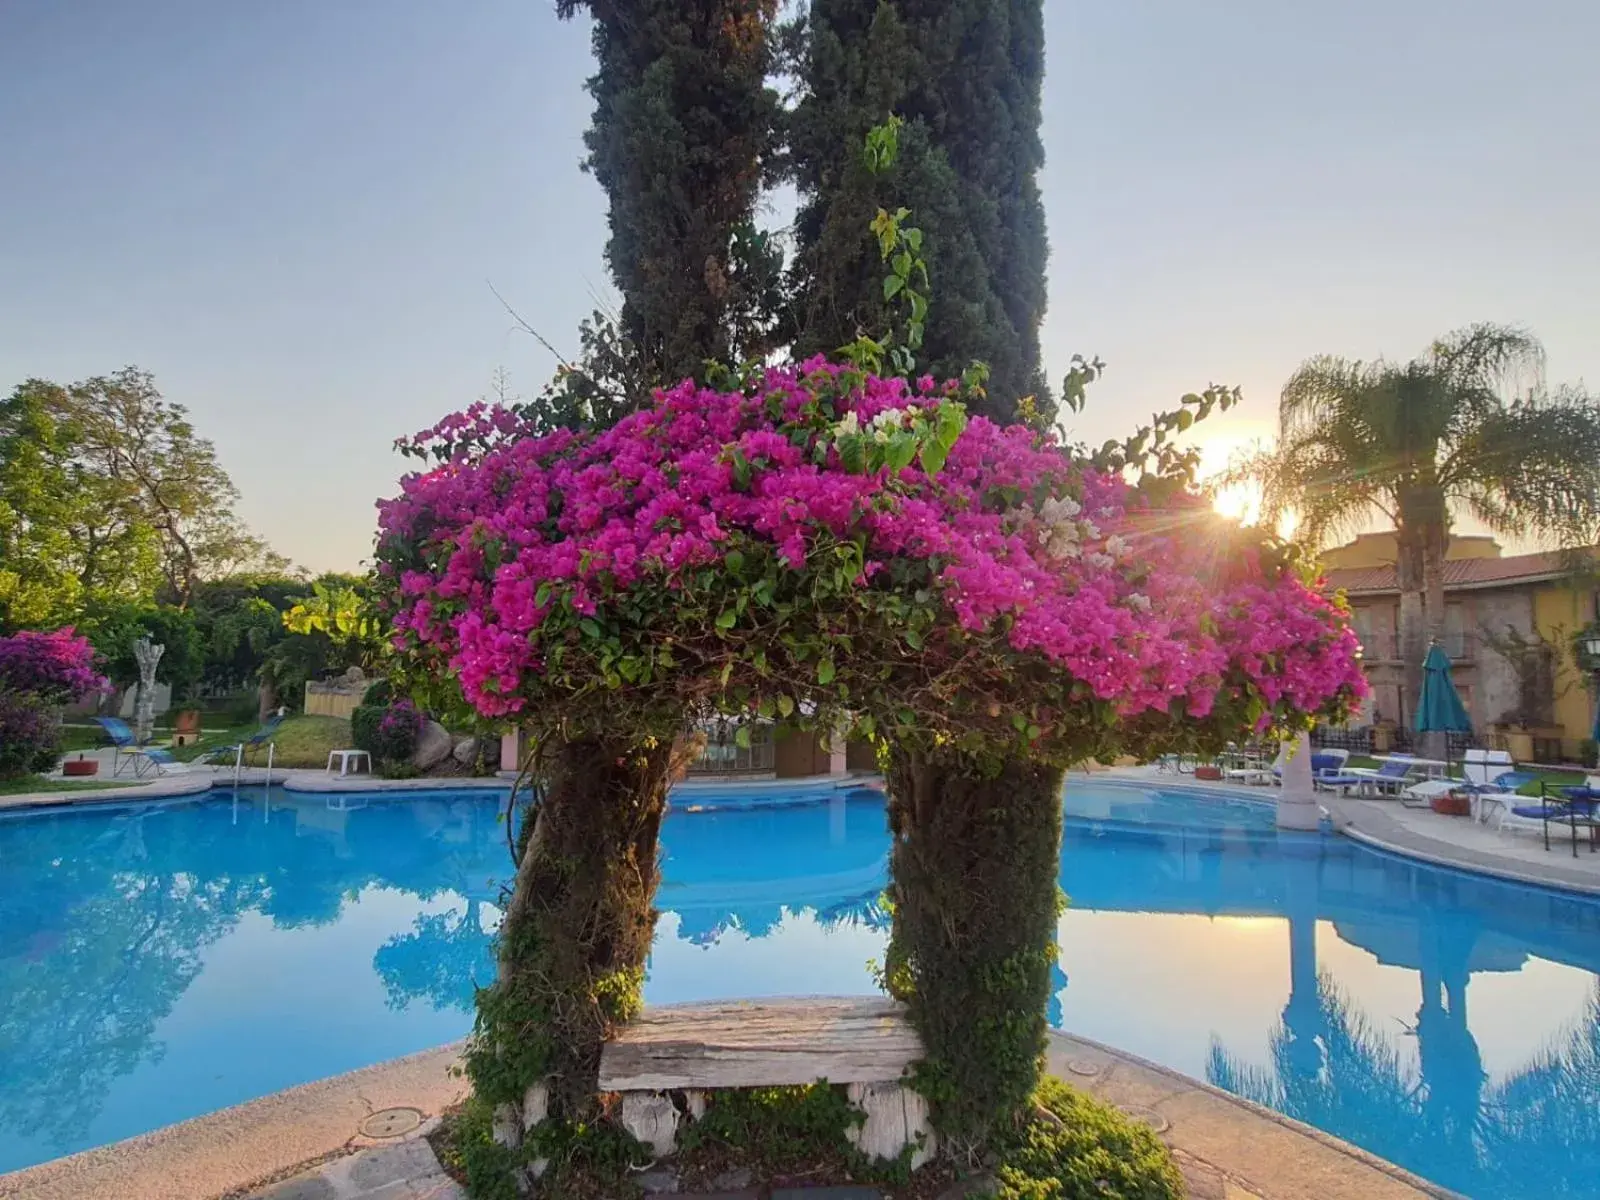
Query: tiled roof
1459, 573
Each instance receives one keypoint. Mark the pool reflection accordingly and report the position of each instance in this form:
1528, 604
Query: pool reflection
159, 962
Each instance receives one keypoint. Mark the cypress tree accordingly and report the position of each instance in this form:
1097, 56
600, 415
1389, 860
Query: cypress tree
684, 131
966, 76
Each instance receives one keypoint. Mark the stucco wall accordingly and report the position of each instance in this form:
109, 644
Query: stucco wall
1499, 688
1561, 612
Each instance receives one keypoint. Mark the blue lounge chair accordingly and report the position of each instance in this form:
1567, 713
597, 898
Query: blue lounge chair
127, 748
1387, 780
243, 752
1574, 807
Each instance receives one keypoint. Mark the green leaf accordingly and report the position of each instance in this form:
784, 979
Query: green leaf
726, 618
892, 285
742, 738
825, 671
853, 454
785, 706
902, 265
933, 456
914, 639
901, 450
913, 238
590, 627
735, 561
542, 596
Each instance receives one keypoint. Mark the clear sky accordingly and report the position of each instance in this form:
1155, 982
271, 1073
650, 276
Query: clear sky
291, 212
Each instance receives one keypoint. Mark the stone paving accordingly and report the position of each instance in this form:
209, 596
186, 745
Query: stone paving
408, 1171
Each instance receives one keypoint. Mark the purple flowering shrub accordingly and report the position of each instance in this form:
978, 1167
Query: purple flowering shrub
854, 544
58, 667
30, 734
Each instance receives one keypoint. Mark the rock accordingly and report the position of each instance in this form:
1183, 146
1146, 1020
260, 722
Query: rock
652, 1118
735, 1179
656, 1180
896, 1117
434, 745
466, 752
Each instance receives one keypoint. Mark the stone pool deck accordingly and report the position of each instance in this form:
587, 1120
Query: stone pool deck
308, 1143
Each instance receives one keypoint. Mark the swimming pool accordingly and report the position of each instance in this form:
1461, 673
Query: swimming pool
160, 961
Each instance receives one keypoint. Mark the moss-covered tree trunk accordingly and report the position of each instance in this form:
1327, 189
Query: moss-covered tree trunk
577, 928
973, 878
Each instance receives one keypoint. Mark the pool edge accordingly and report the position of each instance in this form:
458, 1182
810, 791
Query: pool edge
231, 1150
235, 1150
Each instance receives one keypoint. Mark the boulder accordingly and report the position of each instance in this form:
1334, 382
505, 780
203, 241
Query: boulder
466, 752
434, 745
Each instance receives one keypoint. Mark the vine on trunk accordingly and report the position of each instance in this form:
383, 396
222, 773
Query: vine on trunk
977, 846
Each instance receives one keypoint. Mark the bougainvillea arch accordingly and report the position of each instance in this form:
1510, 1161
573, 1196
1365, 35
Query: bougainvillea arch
822, 545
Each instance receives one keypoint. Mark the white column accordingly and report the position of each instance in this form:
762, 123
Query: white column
1297, 802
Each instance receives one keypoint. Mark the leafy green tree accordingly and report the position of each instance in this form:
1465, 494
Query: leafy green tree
108, 495
164, 474
684, 131
966, 77
1468, 427
67, 539
114, 630
330, 628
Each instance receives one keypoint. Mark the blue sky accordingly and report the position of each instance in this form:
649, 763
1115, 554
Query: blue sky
292, 212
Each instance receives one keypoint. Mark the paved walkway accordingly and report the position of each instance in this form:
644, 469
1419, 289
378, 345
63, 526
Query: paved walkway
1227, 1148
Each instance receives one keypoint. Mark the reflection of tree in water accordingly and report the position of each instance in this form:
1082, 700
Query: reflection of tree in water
444, 960
101, 930
105, 921
1549, 1112
1331, 1069
863, 912
1536, 1135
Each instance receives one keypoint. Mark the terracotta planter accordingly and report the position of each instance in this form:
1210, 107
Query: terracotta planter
1452, 804
1208, 771
188, 721
80, 766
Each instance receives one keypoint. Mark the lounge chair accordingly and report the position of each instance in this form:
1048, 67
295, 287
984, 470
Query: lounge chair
242, 753
1484, 766
1574, 806
127, 748
1420, 795
1387, 780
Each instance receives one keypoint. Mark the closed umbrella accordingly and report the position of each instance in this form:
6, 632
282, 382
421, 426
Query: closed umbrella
1439, 709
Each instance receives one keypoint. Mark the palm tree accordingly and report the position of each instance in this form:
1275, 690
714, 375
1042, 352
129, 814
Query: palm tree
1468, 427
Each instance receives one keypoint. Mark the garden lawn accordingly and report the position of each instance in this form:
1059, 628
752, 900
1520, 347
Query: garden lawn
38, 783
301, 741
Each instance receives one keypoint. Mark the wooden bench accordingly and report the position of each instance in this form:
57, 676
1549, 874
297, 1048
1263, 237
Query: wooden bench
864, 1043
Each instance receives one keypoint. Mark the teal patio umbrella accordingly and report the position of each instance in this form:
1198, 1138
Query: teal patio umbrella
1439, 709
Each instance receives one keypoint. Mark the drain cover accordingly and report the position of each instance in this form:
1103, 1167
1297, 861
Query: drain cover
1082, 1066
391, 1123
1148, 1115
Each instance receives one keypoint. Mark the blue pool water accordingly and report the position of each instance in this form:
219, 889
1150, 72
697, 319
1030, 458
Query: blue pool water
160, 961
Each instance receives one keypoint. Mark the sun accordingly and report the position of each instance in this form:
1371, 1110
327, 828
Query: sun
1241, 501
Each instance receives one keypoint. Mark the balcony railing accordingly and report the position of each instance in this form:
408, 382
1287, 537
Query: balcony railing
1385, 647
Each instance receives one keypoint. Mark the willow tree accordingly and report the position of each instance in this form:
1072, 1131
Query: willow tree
966, 77
683, 137
1468, 428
